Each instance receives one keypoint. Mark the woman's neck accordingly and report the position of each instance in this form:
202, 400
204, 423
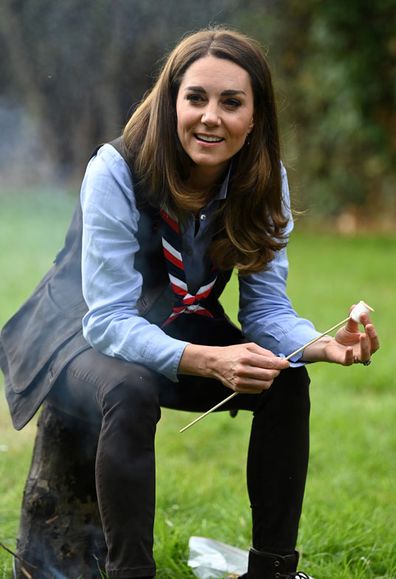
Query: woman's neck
205, 181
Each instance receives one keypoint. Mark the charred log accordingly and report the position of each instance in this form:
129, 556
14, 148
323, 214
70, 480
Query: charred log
60, 534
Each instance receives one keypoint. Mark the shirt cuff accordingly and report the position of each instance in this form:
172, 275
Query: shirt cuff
295, 339
166, 361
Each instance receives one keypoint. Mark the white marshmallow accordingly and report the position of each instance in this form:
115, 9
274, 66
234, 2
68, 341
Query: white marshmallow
359, 309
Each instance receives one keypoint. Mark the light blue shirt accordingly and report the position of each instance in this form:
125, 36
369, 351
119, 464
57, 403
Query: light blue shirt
112, 286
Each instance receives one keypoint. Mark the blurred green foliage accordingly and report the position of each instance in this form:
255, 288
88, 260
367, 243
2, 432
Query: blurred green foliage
335, 67
76, 69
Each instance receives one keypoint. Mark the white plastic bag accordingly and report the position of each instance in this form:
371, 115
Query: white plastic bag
210, 559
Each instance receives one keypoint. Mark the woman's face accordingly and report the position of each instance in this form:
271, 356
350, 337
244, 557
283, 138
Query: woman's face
214, 109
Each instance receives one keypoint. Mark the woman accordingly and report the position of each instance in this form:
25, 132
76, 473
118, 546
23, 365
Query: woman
194, 189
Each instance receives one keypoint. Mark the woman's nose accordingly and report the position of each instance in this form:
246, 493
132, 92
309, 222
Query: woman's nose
210, 116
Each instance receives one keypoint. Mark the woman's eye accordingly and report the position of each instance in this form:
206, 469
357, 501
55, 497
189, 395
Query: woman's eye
232, 103
195, 98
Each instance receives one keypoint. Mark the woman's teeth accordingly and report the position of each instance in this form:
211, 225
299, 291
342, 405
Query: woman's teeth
208, 139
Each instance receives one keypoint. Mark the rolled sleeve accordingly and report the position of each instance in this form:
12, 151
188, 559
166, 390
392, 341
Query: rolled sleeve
265, 310
111, 284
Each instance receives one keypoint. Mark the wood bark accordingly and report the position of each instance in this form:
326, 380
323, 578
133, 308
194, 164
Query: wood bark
60, 534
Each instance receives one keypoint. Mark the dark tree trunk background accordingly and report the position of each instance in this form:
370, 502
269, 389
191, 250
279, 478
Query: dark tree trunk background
60, 535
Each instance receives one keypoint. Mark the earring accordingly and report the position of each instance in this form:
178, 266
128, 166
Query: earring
249, 133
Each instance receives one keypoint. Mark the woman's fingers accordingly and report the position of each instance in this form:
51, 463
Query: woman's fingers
366, 345
373, 338
252, 379
251, 386
253, 360
365, 350
249, 368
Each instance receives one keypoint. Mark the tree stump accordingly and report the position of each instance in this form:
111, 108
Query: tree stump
60, 534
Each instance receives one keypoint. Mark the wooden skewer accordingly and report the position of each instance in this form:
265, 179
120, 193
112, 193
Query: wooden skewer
287, 358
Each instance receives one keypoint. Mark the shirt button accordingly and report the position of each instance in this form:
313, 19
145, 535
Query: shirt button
202, 217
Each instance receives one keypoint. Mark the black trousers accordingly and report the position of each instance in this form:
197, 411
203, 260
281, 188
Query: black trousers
124, 399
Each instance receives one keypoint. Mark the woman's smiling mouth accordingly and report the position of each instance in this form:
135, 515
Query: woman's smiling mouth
208, 138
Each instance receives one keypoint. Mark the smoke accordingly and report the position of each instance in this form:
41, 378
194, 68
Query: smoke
74, 71
24, 159
56, 574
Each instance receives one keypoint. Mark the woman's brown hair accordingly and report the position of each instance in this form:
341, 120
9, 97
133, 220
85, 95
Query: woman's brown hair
251, 221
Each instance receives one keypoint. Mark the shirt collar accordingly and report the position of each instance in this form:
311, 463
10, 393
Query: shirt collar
222, 192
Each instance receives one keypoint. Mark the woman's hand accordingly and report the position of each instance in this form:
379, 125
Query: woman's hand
246, 368
350, 345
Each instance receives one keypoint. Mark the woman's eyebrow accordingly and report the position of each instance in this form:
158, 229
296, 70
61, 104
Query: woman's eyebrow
232, 92
195, 89
228, 92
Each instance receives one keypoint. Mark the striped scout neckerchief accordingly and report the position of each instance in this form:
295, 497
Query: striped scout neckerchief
185, 302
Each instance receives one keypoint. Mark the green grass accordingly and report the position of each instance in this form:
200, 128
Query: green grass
348, 528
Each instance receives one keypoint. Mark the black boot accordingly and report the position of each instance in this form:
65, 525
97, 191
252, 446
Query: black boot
270, 566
